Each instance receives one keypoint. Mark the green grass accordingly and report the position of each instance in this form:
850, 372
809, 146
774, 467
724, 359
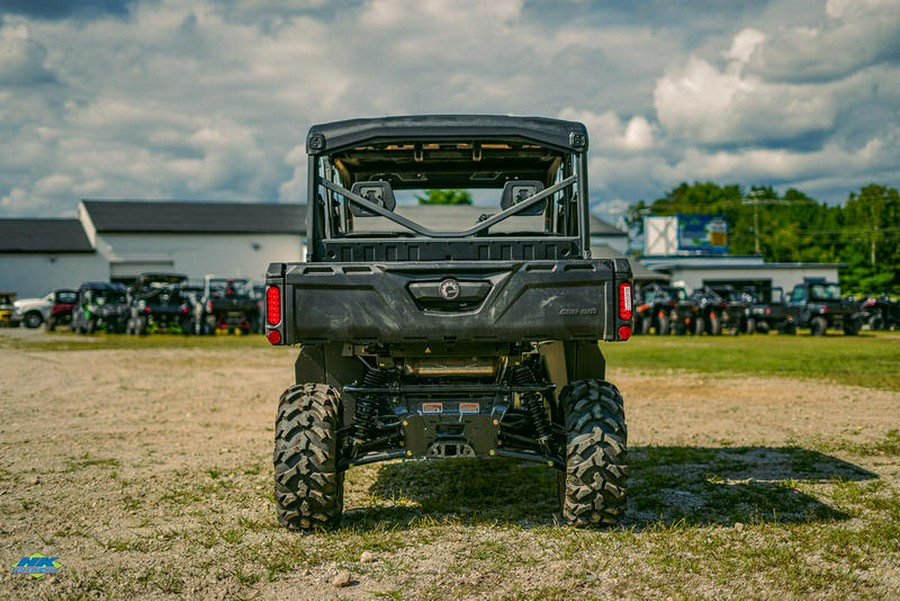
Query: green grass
870, 360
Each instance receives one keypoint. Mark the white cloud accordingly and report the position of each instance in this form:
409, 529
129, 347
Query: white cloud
714, 106
744, 44
608, 132
212, 99
22, 59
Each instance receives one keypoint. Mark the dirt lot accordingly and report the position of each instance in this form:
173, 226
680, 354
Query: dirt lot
147, 473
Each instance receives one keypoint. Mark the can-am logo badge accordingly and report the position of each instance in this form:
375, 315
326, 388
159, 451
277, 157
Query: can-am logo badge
449, 289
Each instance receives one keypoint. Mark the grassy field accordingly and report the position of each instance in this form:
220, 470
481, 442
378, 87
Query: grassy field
817, 518
871, 359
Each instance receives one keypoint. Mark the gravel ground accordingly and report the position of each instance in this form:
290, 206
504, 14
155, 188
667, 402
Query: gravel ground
147, 473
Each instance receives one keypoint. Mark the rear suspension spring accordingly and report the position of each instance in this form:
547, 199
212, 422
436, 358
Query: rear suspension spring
533, 402
369, 406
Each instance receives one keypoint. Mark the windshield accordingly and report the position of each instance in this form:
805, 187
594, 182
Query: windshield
109, 297
229, 287
825, 292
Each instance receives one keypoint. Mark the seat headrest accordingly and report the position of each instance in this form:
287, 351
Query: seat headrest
516, 191
378, 192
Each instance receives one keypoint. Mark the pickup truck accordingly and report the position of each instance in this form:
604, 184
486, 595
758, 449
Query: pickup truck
425, 334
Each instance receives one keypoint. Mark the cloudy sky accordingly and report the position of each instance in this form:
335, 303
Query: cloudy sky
211, 99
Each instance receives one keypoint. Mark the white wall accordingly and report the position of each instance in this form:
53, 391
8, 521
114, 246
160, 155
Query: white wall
35, 274
243, 255
781, 275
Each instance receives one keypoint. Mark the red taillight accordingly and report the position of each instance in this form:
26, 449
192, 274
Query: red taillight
273, 307
274, 336
624, 333
625, 301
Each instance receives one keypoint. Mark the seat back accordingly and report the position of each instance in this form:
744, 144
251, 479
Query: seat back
378, 192
516, 191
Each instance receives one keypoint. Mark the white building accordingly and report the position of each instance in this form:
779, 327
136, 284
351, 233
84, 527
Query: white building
739, 271
118, 240
38, 255
193, 238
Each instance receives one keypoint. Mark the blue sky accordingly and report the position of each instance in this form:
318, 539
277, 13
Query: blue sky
211, 99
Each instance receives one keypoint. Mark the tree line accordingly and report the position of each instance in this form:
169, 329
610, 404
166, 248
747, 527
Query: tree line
863, 233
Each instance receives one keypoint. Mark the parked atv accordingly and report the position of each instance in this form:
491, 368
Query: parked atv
157, 303
736, 314
437, 339
228, 305
100, 306
654, 305
700, 313
772, 314
819, 306
880, 313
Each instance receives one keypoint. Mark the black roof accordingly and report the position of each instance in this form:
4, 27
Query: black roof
43, 235
196, 217
328, 137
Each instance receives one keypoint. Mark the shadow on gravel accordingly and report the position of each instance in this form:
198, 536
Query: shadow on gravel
667, 485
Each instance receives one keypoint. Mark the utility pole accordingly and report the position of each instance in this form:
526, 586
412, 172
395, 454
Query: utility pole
754, 200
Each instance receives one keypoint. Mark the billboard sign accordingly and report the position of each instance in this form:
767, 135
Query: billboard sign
702, 234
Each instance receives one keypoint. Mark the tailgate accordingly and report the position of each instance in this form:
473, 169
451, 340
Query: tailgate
445, 302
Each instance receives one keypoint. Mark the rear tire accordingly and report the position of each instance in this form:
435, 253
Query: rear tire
699, 326
817, 326
714, 325
662, 326
33, 319
593, 485
309, 490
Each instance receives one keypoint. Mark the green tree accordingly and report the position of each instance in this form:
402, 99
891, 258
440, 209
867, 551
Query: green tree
872, 238
445, 197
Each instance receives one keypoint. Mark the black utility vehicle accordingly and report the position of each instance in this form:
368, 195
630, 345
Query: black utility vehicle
879, 312
156, 302
100, 306
433, 338
737, 316
653, 307
818, 305
770, 312
230, 305
698, 312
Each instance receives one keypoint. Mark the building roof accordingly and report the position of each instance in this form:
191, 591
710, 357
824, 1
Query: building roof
43, 236
603, 228
122, 216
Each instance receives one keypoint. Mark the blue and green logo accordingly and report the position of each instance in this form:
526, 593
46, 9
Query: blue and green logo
37, 566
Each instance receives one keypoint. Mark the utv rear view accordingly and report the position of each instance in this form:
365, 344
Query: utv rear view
435, 332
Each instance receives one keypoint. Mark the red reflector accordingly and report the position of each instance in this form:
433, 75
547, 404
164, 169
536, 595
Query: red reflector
624, 333
273, 306
625, 301
274, 336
